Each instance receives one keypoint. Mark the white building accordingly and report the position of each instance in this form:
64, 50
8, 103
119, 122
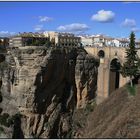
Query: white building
138, 43
52, 35
116, 43
102, 41
124, 42
86, 40
121, 42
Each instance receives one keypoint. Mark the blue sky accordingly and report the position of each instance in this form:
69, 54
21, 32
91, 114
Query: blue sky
115, 19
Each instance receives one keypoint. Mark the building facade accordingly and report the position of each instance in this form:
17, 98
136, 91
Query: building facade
123, 42
28, 39
63, 39
102, 41
86, 40
137, 43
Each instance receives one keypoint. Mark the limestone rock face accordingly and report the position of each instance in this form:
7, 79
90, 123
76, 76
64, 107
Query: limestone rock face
44, 86
86, 78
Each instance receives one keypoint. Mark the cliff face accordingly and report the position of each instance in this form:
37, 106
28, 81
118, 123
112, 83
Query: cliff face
40, 89
86, 78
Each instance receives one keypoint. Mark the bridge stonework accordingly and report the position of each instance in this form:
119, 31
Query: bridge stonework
106, 78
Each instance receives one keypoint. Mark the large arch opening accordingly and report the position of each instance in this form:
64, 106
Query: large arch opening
101, 54
114, 77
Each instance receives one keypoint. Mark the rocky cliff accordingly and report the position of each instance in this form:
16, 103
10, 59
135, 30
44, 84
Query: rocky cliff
41, 88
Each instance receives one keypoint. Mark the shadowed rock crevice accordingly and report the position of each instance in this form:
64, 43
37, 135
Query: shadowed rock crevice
17, 133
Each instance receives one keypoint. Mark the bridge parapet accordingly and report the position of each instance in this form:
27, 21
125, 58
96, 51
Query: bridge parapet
110, 52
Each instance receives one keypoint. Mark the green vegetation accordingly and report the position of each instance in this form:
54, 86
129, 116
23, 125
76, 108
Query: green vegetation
1, 130
131, 67
30, 34
90, 107
131, 90
13, 118
47, 125
32, 41
4, 119
7, 120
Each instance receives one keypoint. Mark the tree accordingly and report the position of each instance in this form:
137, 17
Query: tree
131, 67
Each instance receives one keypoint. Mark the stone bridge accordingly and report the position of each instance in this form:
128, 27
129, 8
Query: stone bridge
109, 77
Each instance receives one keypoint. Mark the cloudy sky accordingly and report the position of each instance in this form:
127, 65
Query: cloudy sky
115, 19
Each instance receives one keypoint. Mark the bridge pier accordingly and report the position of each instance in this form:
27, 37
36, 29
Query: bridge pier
103, 81
106, 80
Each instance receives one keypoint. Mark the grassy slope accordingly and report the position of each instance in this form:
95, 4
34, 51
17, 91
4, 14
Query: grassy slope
116, 117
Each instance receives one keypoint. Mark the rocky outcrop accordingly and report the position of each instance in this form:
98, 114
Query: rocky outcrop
86, 78
44, 86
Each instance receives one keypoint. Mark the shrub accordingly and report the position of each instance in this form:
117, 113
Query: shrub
7, 120
90, 106
48, 125
3, 119
11, 119
131, 90
1, 130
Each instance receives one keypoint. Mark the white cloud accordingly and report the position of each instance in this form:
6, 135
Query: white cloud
38, 27
135, 29
45, 19
129, 23
74, 27
6, 33
103, 16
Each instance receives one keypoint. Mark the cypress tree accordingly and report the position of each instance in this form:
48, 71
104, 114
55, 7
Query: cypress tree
130, 67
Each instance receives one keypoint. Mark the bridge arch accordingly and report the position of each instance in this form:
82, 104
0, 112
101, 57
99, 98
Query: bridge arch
114, 75
101, 54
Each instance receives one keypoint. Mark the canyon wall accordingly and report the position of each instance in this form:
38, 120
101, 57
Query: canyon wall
41, 88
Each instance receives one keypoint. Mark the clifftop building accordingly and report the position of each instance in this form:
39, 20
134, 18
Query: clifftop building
63, 39
101, 40
124, 42
52, 39
86, 40
28, 39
